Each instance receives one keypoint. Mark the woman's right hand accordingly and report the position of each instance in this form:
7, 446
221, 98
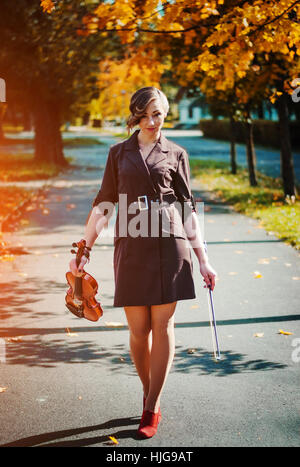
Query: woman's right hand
73, 267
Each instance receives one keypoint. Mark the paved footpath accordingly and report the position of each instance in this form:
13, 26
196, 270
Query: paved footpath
69, 382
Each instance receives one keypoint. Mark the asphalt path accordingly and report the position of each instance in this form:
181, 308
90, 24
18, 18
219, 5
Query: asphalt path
69, 382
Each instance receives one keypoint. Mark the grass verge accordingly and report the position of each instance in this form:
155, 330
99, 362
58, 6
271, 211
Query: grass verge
265, 202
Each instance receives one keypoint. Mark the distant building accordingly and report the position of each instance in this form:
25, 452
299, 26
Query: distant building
192, 110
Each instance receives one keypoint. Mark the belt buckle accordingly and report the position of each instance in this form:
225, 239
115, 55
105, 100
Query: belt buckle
145, 201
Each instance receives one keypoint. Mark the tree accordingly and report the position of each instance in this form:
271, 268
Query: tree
228, 41
48, 65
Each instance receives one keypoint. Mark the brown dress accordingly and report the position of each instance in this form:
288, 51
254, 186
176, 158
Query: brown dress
152, 256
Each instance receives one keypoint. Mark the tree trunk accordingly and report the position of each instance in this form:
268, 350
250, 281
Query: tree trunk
251, 156
48, 139
287, 164
232, 145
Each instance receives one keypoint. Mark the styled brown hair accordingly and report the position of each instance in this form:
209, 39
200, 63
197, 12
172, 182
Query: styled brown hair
139, 102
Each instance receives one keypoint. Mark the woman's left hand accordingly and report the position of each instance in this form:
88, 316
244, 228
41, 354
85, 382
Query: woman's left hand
209, 275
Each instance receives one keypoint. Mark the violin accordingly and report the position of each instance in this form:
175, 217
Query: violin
80, 297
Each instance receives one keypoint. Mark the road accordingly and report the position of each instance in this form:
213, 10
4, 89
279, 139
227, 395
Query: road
69, 382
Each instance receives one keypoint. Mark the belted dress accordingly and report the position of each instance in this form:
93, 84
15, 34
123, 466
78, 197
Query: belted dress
152, 255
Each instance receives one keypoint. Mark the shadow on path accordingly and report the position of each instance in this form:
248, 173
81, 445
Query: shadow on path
51, 439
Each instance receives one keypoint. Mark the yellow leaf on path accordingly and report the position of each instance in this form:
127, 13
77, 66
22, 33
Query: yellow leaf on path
71, 334
13, 339
257, 275
285, 333
2, 389
258, 334
114, 440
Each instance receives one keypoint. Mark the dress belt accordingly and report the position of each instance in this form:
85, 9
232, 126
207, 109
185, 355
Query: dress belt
144, 201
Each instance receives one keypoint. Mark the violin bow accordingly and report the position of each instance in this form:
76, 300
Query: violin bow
212, 320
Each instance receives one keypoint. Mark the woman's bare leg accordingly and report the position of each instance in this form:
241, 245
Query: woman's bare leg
162, 352
139, 323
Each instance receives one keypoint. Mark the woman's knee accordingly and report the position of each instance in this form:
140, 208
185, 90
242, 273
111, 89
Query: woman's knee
162, 319
139, 322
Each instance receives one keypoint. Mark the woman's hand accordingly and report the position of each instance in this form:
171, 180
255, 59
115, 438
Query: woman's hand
73, 267
209, 275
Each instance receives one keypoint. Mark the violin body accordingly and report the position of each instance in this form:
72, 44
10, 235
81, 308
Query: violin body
80, 297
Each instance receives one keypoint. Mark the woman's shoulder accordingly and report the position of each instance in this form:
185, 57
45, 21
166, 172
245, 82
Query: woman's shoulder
174, 147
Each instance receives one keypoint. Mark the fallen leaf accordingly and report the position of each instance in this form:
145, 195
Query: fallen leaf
2, 389
13, 339
258, 334
7, 258
71, 334
285, 333
263, 261
257, 275
114, 440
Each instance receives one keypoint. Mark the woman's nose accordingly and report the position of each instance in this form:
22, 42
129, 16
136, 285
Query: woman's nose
151, 121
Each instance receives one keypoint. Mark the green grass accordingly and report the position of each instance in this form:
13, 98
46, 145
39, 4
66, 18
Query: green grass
23, 167
265, 202
67, 142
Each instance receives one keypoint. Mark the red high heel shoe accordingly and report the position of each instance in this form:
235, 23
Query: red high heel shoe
149, 424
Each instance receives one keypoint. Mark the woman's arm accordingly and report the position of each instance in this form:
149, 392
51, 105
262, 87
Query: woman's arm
193, 231
95, 222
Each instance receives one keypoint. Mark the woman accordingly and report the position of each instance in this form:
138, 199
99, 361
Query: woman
148, 176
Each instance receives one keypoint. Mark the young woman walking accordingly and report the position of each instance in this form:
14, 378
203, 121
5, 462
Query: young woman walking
156, 226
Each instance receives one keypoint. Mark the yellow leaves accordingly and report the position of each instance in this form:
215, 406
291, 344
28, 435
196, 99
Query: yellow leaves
3, 389
71, 334
285, 333
7, 257
47, 5
113, 440
257, 275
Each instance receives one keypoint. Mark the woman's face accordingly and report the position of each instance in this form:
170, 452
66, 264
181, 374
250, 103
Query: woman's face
153, 119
